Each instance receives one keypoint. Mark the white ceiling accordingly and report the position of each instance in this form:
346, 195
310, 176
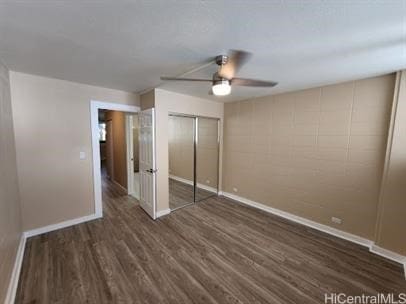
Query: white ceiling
128, 44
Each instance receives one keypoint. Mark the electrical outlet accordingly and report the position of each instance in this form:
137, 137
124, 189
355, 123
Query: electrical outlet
336, 220
207, 181
235, 189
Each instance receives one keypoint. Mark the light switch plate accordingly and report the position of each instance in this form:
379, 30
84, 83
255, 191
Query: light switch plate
82, 155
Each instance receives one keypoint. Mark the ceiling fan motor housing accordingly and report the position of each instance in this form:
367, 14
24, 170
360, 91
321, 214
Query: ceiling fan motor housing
221, 60
217, 79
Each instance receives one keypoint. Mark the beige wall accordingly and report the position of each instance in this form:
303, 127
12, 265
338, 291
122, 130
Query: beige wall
52, 125
169, 102
119, 174
147, 100
391, 227
181, 146
316, 153
10, 214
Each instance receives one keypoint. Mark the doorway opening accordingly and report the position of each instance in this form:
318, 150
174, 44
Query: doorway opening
110, 139
119, 162
193, 159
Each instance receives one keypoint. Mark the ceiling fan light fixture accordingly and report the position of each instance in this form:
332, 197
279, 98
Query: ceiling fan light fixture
221, 87
224, 78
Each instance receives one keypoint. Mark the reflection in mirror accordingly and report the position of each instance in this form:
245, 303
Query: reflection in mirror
207, 158
181, 161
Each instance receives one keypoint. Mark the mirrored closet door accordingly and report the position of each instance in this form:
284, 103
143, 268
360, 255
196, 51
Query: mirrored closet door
207, 158
193, 159
181, 147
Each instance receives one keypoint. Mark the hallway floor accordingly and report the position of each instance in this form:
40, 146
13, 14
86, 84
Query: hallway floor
214, 251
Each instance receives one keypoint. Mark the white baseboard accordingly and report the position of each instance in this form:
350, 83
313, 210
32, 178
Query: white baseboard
163, 212
189, 182
389, 255
60, 225
15, 276
324, 228
301, 220
134, 195
180, 179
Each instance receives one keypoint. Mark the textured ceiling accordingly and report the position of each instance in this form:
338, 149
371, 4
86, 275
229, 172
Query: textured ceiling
128, 44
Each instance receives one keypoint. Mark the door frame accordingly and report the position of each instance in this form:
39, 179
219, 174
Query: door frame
129, 125
109, 145
95, 106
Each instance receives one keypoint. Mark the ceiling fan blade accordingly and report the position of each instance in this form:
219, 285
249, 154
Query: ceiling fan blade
185, 79
236, 60
252, 82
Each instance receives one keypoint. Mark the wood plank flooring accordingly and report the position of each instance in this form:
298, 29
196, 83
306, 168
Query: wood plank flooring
214, 251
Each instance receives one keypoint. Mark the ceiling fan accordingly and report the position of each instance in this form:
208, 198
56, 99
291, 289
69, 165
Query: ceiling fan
224, 78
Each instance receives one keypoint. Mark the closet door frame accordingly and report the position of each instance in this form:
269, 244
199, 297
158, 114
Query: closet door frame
195, 146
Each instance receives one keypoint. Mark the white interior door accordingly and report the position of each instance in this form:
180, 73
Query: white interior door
147, 161
129, 122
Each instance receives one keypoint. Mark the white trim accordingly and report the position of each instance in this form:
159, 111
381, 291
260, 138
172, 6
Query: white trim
12, 289
387, 254
207, 188
60, 225
129, 153
15, 275
163, 212
94, 120
374, 248
136, 192
189, 182
324, 228
391, 132
147, 124
181, 179
298, 219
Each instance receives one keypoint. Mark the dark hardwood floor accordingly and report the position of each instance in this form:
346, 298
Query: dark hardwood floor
214, 251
